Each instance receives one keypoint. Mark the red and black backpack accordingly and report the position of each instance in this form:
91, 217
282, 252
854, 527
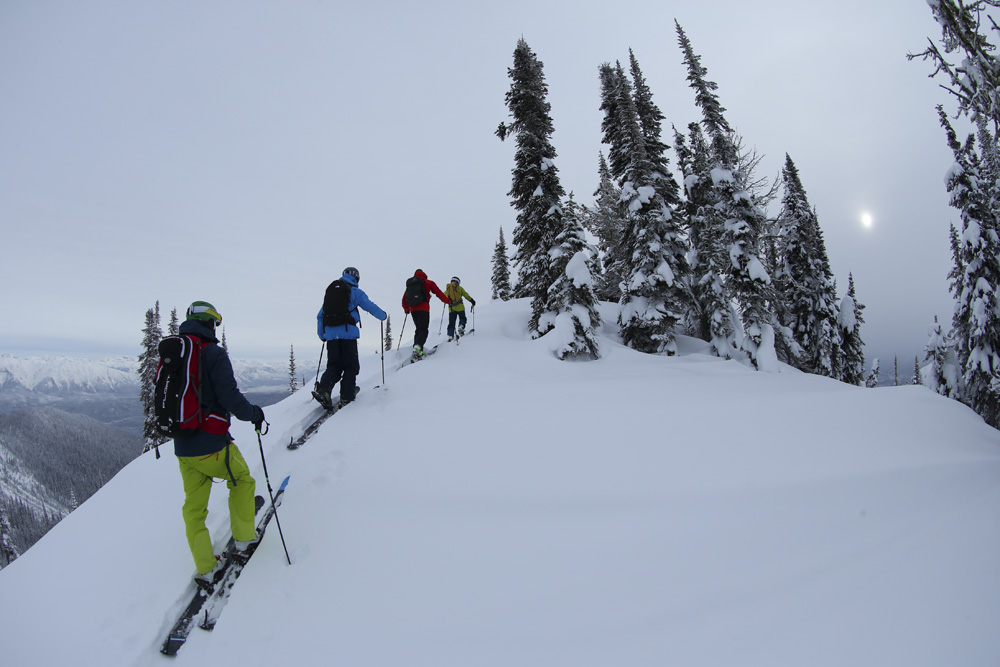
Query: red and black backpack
177, 407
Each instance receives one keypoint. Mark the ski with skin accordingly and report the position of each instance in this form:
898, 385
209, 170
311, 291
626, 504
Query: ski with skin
411, 360
295, 443
182, 628
224, 588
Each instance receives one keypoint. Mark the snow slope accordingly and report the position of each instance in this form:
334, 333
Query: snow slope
492, 506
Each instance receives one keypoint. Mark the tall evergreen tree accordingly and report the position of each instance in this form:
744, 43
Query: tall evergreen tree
606, 221
536, 191
225, 345
851, 345
148, 360
293, 382
917, 377
744, 221
501, 270
173, 327
710, 315
976, 321
653, 249
573, 304
804, 280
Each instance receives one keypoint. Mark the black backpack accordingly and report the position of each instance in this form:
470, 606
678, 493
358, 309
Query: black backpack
416, 292
336, 304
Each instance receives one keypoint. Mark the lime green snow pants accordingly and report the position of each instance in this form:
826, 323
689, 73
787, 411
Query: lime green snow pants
198, 473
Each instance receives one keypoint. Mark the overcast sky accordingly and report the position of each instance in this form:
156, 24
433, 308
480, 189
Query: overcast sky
245, 152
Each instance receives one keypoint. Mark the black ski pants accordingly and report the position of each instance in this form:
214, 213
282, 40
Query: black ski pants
421, 326
342, 366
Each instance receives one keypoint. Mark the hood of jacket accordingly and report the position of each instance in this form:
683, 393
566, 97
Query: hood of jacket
420, 274
349, 279
196, 328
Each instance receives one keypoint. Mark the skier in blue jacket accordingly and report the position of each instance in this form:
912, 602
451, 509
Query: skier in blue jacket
341, 331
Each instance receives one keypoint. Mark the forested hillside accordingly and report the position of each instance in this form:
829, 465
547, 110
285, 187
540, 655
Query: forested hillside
53, 461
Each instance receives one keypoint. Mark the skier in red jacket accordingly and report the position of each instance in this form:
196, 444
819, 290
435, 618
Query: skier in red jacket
417, 302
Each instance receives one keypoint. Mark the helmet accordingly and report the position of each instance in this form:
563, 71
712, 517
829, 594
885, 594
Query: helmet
455, 280
205, 312
351, 271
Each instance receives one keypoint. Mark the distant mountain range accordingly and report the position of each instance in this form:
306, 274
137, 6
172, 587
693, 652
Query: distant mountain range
108, 389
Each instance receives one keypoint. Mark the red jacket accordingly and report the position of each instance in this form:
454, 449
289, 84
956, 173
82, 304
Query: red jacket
431, 288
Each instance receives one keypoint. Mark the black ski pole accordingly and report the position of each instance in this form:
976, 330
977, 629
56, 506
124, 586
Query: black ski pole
381, 331
401, 330
271, 493
321, 350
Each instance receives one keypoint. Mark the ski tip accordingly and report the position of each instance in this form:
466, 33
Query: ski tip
284, 483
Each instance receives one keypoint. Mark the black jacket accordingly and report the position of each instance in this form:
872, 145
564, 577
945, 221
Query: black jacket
219, 394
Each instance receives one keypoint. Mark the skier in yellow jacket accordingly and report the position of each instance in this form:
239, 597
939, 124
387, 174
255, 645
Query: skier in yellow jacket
456, 310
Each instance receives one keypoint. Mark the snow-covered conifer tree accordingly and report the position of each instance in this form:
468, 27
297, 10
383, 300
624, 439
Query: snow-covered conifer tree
606, 221
744, 222
501, 270
872, 380
653, 250
710, 315
387, 343
149, 358
976, 321
973, 82
851, 345
917, 377
8, 553
573, 305
535, 190
944, 378
293, 382
173, 327
804, 281
225, 345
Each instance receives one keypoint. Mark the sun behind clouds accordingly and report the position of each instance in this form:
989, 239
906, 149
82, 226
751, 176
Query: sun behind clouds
867, 220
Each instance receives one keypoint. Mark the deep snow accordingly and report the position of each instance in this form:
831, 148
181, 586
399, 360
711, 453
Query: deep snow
494, 506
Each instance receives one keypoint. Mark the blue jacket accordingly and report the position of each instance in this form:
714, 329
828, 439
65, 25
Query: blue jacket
349, 331
219, 393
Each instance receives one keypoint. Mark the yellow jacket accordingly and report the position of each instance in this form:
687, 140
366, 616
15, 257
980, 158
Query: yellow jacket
455, 293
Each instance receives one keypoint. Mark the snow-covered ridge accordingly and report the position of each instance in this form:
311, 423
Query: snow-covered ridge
59, 374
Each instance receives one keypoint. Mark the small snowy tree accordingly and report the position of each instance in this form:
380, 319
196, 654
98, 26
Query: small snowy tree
292, 380
851, 346
572, 304
225, 345
501, 271
149, 359
173, 327
7, 550
387, 343
945, 374
917, 377
872, 380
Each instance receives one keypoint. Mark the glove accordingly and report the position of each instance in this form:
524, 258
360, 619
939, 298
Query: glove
473, 302
258, 417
